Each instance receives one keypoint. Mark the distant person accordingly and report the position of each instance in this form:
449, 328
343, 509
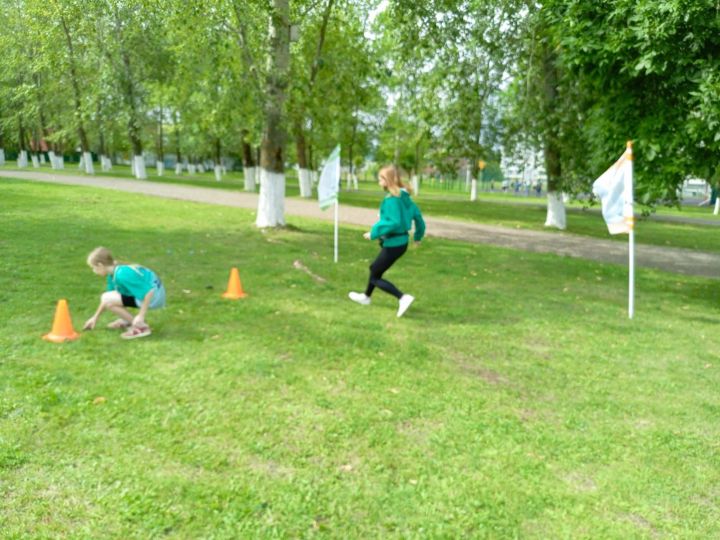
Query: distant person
398, 212
128, 286
538, 188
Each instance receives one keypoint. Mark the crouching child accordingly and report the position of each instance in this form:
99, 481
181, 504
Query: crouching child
128, 286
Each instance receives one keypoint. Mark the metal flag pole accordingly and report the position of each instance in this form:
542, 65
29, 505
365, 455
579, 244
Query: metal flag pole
336, 231
631, 240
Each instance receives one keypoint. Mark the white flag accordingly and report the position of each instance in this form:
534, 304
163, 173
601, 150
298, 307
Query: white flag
615, 189
329, 180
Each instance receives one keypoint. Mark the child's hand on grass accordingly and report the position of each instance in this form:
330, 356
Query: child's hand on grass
139, 321
90, 324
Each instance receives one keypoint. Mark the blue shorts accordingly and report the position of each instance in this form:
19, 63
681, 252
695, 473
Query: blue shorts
158, 299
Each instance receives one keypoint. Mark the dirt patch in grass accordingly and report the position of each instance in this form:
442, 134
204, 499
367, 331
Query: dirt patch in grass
270, 468
580, 482
486, 374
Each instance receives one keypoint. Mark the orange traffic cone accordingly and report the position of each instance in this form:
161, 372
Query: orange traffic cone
62, 328
234, 289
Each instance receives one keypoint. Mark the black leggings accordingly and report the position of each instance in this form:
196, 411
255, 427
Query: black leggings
384, 260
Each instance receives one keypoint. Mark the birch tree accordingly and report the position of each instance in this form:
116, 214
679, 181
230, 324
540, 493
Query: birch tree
271, 203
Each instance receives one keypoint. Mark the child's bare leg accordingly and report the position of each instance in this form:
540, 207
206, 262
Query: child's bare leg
121, 312
112, 301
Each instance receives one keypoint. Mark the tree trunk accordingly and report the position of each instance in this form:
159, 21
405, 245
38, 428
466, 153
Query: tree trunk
218, 160
133, 121
249, 169
556, 206
22, 160
178, 156
271, 203
303, 170
351, 164
159, 146
82, 134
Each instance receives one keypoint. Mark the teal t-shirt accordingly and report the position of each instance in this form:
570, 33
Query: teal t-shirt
132, 280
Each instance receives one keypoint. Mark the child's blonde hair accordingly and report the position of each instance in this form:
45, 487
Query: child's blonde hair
100, 256
393, 182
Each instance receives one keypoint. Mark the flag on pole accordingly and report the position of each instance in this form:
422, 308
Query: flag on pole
328, 190
615, 189
329, 180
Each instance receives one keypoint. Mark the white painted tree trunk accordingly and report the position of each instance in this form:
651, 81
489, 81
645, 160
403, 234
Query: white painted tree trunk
35, 161
178, 168
81, 163
201, 168
555, 211
59, 162
249, 175
42, 159
717, 206
22, 160
473, 189
160, 166
140, 171
218, 173
52, 158
191, 168
132, 167
305, 183
87, 158
271, 203
108, 164
415, 185
2, 156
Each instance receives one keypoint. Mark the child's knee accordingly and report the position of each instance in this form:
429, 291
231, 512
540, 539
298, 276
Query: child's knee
111, 298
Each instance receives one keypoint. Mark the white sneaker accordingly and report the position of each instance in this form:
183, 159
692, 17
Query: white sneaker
404, 304
360, 298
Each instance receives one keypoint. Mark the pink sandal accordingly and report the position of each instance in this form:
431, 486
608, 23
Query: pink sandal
136, 332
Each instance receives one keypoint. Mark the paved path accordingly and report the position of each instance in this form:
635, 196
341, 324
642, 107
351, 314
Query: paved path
683, 261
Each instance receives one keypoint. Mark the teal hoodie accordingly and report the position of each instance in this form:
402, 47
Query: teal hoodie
397, 215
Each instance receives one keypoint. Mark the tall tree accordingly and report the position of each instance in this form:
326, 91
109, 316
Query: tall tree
271, 203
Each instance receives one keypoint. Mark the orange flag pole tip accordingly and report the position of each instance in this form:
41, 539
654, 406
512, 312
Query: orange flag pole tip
234, 288
62, 328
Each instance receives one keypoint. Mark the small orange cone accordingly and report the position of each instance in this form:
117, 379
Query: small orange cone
234, 289
62, 328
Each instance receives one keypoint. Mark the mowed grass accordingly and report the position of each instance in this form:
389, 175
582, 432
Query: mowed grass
491, 208
515, 399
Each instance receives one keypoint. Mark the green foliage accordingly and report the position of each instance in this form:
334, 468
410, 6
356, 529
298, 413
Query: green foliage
636, 71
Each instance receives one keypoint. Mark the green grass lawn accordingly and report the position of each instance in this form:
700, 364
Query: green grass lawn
515, 399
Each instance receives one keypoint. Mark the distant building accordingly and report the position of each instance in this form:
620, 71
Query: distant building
693, 188
524, 166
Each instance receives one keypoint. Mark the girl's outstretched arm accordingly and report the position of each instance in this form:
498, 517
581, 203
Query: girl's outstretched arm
92, 321
139, 319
